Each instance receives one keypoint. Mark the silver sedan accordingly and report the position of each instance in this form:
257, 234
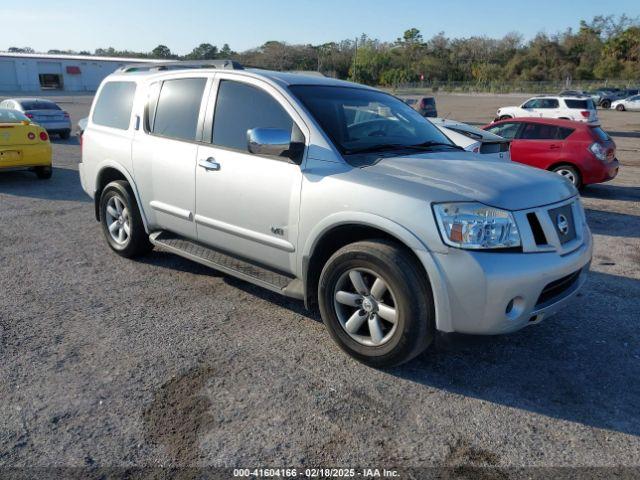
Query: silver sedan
43, 112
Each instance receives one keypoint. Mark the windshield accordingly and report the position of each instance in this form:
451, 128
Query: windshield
359, 120
11, 116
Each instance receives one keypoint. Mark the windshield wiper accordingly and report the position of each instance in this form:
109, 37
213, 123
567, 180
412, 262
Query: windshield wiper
430, 144
383, 147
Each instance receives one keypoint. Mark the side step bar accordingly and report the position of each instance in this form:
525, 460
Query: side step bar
229, 264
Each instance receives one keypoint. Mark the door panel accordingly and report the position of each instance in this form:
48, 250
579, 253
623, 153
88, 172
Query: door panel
536, 145
165, 153
247, 204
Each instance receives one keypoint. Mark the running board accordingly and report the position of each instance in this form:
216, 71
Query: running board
229, 264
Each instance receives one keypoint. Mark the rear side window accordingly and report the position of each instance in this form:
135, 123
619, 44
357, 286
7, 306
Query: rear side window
564, 132
178, 108
113, 107
581, 104
240, 107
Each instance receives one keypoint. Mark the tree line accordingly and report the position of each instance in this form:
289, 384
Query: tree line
604, 48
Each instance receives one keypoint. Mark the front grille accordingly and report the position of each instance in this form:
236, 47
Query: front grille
538, 234
556, 288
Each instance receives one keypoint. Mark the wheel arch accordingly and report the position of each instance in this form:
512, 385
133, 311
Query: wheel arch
337, 234
108, 173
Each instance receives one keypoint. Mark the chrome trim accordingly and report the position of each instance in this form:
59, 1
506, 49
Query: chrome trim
258, 237
171, 210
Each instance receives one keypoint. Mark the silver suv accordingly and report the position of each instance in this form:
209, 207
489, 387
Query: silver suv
334, 193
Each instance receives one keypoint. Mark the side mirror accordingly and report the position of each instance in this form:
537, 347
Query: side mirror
268, 141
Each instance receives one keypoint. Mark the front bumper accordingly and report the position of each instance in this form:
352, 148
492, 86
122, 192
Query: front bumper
473, 290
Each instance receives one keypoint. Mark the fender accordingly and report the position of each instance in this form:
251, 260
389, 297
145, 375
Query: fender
125, 173
424, 254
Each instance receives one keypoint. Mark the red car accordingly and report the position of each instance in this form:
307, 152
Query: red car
582, 153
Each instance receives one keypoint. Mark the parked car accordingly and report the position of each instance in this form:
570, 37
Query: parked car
474, 139
288, 182
23, 145
607, 99
45, 113
582, 153
631, 103
580, 109
426, 106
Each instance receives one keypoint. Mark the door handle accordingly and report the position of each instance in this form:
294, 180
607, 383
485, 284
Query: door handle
209, 164
554, 147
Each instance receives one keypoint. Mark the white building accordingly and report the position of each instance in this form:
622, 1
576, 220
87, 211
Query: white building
34, 72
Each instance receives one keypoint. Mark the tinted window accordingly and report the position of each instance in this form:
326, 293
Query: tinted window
538, 131
178, 108
38, 105
506, 130
113, 107
549, 103
535, 103
241, 107
580, 104
564, 132
360, 120
428, 102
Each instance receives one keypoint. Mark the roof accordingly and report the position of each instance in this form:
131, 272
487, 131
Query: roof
547, 121
209, 66
87, 58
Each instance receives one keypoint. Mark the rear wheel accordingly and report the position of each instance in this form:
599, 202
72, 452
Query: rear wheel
376, 303
121, 221
620, 108
44, 173
65, 134
505, 117
570, 173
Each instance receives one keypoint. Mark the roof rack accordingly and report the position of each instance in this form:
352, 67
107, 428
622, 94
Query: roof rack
181, 65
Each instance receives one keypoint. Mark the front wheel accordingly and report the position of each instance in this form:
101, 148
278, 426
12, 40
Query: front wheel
121, 221
376, 303
606, 104
620, 108
570, 173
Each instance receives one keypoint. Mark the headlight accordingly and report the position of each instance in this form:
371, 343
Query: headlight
476, 226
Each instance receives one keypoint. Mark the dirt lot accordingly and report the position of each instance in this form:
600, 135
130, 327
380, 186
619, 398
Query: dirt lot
111, 362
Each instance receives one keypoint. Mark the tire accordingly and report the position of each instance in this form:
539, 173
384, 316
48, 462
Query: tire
571, 173
65, 134
44, 173
407, 295
606, 104
118, 207
620, 108
505, 117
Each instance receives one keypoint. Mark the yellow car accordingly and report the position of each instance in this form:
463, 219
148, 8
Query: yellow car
23, 144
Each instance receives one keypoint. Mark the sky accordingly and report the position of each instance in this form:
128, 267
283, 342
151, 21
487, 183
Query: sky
140, 25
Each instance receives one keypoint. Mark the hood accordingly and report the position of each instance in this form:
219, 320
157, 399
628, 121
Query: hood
460, 176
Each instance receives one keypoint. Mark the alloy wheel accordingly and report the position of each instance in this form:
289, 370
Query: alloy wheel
366, 307
118, 220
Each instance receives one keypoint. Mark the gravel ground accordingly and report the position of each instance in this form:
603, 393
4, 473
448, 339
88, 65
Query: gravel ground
111, 362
